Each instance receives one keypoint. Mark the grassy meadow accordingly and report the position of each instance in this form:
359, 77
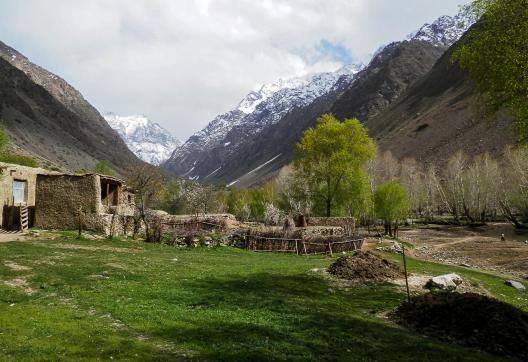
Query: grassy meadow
68, 299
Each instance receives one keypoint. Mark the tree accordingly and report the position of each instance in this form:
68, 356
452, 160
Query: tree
330, 155
495, 56
171, 198
103, 167
391, 202
146, 180
513, 186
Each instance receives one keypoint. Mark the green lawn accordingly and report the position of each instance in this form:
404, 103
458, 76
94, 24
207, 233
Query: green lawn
123, 300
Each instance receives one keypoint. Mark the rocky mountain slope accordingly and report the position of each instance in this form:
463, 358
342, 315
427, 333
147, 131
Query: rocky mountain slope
257, 111
50, 120
146, 139
248, 151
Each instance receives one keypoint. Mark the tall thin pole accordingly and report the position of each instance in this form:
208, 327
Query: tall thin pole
405, 270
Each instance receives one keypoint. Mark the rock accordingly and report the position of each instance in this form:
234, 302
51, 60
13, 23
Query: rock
514, 284
445, 282
466, 265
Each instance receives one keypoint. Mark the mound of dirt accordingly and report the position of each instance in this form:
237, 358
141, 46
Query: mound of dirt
470, 319
365, 266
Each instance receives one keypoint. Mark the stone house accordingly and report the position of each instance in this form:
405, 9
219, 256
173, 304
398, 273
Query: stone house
105, 203
17, 188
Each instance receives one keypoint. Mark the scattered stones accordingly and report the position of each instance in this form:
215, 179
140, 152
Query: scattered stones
445, 282
515, 284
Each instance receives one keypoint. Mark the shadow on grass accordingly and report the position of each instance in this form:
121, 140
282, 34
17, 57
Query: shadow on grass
269, 317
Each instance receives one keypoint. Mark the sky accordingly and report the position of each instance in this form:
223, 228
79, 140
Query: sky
182, 62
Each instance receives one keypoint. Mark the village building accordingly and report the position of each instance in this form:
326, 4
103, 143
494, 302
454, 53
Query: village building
60, 201
102, 203
17, 190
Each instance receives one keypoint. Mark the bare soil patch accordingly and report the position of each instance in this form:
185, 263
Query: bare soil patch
93, 248
479, 247
16, 267
469, 319
20, 283
365, 266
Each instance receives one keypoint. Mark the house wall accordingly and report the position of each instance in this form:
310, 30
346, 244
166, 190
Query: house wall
58, 198
9, 173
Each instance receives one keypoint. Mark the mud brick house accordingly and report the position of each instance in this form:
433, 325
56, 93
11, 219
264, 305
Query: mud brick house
105, 204
17, 190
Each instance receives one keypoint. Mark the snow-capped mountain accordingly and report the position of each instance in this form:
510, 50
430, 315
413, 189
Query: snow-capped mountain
206, 154
147, 139
258, 110
446, 30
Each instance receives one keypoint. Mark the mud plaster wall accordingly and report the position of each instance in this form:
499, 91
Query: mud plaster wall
58, 198
9, 173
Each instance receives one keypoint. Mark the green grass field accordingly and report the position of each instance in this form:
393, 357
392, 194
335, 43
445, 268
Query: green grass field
124, 300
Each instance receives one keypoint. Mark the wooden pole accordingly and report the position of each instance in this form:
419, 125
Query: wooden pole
330, 249
79, 221
406, 278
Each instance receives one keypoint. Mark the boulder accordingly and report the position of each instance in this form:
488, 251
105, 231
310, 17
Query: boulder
514, 284
445, 282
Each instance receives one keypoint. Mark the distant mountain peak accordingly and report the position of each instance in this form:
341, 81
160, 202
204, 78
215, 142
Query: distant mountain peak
446, 30
146, 139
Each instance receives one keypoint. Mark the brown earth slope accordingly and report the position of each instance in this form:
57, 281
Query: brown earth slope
49, 119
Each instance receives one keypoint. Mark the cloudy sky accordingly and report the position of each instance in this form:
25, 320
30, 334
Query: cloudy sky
181, 62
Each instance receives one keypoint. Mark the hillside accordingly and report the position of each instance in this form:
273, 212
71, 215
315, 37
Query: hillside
50, 120
437, 117
381, 82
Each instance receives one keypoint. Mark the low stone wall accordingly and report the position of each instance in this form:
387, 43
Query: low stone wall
330, 221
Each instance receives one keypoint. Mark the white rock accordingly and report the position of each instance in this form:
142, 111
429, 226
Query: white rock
514, 284
445, 282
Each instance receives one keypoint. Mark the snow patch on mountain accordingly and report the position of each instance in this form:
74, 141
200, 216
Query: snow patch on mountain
446, 30
147, 139
258, 110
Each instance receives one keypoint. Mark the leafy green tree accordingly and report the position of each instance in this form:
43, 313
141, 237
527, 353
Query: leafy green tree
391, 202
495, 55
331, 155
237, 204
171, 197
259, 198
103, 167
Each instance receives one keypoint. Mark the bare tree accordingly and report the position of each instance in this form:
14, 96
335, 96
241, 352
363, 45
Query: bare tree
146, 180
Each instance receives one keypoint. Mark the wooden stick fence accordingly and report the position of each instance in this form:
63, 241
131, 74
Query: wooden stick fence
300, 246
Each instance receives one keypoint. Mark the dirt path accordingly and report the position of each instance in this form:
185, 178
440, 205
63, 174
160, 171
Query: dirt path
477, 247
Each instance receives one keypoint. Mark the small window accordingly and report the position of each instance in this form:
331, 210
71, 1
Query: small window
19, 191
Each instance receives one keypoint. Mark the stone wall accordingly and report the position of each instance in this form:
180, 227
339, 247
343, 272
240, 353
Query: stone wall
58, 198
330, 221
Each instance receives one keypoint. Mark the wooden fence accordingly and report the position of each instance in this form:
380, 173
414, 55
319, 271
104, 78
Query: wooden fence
301, 246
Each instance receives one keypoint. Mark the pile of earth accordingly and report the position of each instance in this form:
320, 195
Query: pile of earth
365, 266
469, 319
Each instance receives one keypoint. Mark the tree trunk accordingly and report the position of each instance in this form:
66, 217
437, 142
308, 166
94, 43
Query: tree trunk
328, 207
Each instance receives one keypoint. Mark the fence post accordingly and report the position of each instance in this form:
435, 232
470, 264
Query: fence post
330, 248
405, 271
304, 247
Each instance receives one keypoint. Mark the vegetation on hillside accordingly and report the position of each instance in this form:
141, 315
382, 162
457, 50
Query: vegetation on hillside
494, 53
102, 167
7, 156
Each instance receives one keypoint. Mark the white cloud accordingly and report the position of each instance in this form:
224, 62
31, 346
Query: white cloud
183, 62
